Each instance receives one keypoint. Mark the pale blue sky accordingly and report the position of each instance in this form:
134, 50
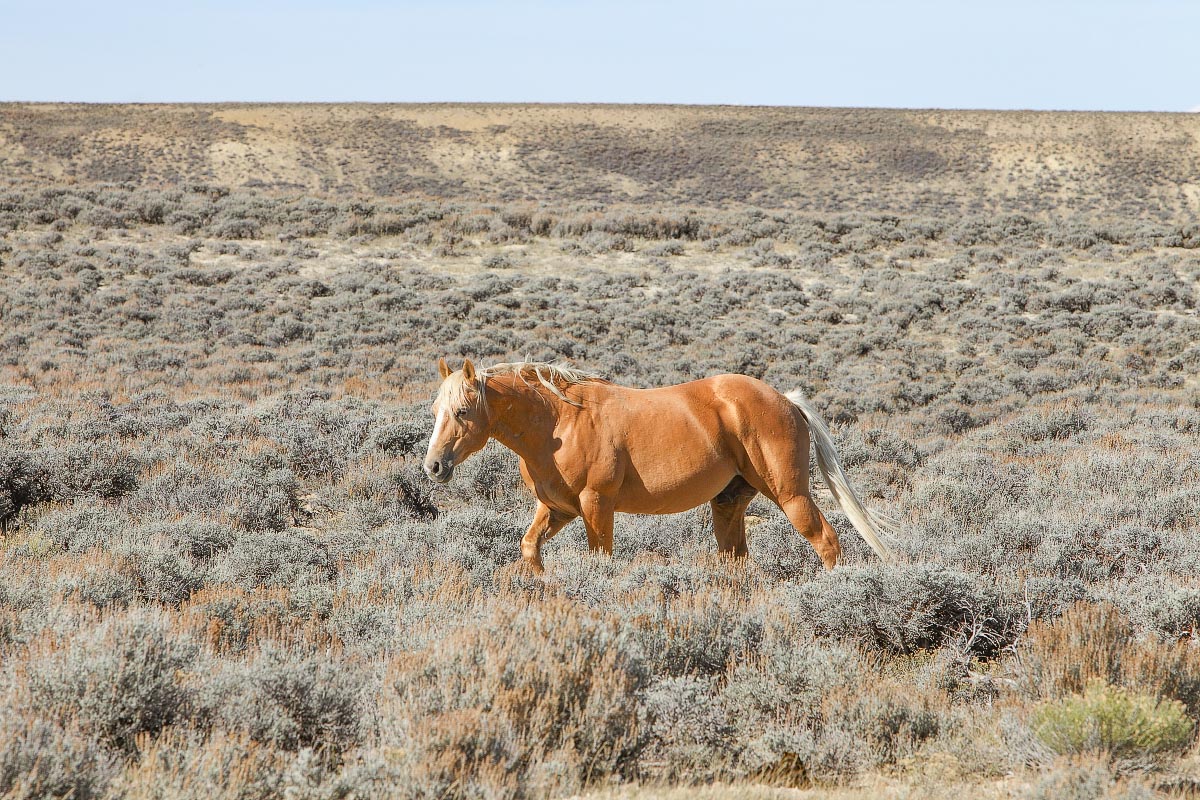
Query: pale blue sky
1041, 54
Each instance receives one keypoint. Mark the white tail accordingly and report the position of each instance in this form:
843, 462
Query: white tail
869, 525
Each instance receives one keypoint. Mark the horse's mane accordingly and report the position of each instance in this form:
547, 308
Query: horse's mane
553, 377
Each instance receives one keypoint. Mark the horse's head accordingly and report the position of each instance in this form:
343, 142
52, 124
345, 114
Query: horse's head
461, 421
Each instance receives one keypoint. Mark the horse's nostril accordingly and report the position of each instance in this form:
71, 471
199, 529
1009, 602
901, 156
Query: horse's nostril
436, 468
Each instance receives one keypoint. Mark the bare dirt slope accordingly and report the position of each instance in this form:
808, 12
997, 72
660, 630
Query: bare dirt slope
818, 159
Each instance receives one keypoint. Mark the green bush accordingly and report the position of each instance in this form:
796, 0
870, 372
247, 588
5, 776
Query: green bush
1113, 720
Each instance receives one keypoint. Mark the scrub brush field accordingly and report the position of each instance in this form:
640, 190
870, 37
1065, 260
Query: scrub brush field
224, 575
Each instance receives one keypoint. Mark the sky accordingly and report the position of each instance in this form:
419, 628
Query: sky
1141, 55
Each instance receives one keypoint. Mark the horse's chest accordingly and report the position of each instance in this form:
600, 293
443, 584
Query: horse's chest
555, 493
555, 489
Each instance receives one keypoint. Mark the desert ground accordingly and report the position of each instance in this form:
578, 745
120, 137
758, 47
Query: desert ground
224, 575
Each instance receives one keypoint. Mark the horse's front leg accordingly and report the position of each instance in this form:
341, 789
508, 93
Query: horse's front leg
598, 511
546, 523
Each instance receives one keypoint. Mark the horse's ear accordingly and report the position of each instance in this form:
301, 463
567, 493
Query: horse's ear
468, 370
443, 368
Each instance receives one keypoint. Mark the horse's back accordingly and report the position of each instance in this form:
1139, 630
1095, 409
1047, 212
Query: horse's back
727, 386
710, 404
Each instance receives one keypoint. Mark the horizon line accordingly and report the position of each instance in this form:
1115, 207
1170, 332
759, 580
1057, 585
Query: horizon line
609, 103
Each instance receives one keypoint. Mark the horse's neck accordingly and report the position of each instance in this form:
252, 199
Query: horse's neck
523, 418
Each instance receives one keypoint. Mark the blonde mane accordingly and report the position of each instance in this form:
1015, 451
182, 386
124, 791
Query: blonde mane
554, 377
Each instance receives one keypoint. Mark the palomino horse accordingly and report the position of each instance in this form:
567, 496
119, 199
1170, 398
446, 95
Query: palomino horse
589, 448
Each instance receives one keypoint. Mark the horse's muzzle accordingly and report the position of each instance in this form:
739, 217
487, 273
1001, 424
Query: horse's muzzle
440, 471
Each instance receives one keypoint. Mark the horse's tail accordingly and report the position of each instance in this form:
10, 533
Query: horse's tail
868, 524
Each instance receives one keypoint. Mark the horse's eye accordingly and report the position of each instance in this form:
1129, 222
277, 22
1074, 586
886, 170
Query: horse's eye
461, 413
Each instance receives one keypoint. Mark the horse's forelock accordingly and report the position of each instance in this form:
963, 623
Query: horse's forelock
453, 393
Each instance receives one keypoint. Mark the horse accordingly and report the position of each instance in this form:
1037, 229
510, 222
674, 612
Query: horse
590, 448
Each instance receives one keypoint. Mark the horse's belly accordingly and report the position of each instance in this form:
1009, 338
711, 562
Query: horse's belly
671, 495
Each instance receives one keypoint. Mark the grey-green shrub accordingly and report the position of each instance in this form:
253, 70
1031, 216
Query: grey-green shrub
118, 681
291, 703
38, 758
905, 609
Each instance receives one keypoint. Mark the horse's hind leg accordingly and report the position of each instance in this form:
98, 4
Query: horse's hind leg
729, 516
779, 469
808, 519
